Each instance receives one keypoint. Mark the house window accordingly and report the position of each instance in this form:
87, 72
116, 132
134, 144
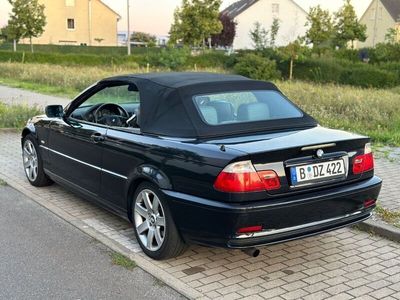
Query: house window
373, 12
71, 24
69, 2
380, 16
275, 8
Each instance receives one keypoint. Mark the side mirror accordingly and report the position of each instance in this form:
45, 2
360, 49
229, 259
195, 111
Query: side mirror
54, 111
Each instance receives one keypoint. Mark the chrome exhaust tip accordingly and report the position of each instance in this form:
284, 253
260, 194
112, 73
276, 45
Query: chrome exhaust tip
253, 252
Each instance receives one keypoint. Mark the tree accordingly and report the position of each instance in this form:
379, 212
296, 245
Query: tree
227, 35
320, 29
27, 19
6, 35
195, 21
274, 32
392, 35
143, 37
259, 36
9, 34
347, 27
293, 52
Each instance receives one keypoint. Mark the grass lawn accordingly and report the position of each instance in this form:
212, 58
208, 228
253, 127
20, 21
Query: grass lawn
372, 112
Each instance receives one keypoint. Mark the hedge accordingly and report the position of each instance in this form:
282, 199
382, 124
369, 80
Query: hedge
68, 59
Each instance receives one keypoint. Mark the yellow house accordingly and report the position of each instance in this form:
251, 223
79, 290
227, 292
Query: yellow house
78, 22
380, 16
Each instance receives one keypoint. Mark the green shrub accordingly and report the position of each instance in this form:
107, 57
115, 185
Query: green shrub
385, 53
67, 59
170, 58
257, 67
209, 59
332, 70
69, 49
16, 116
368, 76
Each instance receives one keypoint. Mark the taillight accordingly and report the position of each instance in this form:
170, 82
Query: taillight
369, 203
242, 177
365, 162
250, 229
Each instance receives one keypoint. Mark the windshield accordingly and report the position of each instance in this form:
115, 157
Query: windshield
245, 106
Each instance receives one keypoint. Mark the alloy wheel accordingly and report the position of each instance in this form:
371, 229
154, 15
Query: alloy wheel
149, 219
30, 160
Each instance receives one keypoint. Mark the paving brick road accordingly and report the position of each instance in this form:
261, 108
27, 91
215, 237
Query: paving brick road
344, 264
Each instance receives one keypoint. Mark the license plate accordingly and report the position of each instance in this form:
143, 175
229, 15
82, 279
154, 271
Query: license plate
317, 172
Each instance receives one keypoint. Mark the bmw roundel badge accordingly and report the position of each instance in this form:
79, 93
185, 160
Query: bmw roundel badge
320, 153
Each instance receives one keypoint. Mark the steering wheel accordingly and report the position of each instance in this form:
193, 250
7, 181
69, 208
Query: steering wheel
116, 115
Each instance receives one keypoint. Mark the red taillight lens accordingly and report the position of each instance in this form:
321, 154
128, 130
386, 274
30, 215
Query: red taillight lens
270, 179
369, 203
250, 229
242, 177
365, 162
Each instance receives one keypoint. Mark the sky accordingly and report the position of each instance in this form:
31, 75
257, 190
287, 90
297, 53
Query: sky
155, 16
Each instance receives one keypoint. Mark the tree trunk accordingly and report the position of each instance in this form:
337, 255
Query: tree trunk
15, 45
30, 41
291, 69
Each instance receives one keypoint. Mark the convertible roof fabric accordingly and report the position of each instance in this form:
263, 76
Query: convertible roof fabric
167, 107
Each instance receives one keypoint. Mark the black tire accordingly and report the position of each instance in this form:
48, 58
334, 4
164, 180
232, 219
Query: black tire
41, 178
172, 245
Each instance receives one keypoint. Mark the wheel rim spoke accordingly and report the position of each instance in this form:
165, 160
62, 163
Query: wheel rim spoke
140, 210
146, 200
26, 151
160, 221
150, 237
158, 237
155, 204
31, 173
26, 163
143, 227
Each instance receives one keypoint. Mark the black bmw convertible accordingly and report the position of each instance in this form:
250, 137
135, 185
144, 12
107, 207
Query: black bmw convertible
212, 159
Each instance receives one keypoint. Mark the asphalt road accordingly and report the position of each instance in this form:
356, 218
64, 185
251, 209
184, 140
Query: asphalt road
43, 257
11, 95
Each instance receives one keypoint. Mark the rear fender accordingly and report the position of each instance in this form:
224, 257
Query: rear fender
143, 173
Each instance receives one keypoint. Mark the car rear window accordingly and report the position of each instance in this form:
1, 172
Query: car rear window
245, 106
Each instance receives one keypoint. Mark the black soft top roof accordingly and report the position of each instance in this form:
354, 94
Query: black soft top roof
167, 107
182, 79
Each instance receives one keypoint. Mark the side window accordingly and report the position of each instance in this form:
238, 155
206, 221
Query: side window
122, 94
116, 106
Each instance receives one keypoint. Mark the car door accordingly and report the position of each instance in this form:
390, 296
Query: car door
75, 153
74, 147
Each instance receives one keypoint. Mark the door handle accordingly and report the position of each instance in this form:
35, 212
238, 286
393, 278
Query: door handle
97, 137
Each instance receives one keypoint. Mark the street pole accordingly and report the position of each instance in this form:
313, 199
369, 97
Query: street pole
128, 41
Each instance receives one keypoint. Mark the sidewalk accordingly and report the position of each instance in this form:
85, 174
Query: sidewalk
343, 264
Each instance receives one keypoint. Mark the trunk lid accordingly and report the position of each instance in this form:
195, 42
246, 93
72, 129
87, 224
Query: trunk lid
283, 152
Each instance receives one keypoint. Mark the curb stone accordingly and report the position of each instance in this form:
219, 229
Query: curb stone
140, 261
384, 230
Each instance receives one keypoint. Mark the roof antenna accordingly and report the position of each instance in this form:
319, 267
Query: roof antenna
222, 148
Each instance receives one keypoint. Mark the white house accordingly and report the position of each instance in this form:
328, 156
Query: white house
291, 16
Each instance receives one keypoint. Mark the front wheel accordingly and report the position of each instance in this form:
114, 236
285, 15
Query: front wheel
33, 164
153, 224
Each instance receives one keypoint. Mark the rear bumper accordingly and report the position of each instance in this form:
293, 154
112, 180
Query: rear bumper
214, 223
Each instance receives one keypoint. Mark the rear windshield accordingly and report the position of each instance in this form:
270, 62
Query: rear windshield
245, 106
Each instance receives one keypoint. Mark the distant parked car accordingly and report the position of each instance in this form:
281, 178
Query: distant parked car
217, 160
